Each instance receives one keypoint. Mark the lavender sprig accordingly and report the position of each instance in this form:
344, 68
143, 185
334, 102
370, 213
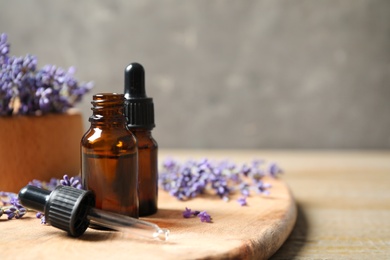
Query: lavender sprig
203, 215
193, 178
11, 206
74, 182
262, 187
187, 213
4, 48
242, 201
27, 91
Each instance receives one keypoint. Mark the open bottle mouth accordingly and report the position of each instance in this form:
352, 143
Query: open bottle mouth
108, 107
107, 100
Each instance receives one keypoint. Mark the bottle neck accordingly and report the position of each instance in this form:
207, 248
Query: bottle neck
108, 109
141, 131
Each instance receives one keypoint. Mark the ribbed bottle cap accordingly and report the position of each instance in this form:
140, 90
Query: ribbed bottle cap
139, 108
67, 209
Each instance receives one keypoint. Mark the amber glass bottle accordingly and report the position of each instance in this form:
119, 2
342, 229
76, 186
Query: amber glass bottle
140, 114
109, 157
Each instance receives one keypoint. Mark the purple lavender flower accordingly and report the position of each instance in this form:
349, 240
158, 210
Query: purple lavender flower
169, 164
36, 183
12, 208
52, 184
183, 181
73, 182
43, 220
245, 189
7, 197
263, 187
187, 213
6, 90
41, 216
257, 174
192, 178
21, 212
245, 170
256, 163
274, 170
48, 90
11, 212
204, 217
4, 48
242, 201
45, 185
50, 75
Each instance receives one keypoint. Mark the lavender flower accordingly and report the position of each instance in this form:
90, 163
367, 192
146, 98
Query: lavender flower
274, 170
245, 189
26, 91
73, 182
43, 220
45, 185
11, 206
187, 213
245, 169
193, 178
11, 212
4, 48
41, 216
242, 201
263, 187
204, 217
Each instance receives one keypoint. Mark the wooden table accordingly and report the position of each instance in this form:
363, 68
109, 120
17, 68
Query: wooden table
343, 202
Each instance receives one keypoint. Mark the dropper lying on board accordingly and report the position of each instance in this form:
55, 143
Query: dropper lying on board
72, 210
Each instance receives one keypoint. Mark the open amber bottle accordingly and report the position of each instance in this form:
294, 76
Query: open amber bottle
109, 157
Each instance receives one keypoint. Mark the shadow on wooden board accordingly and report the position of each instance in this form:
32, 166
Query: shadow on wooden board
297, 239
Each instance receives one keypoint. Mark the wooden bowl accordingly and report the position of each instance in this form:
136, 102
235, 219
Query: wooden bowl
38, 147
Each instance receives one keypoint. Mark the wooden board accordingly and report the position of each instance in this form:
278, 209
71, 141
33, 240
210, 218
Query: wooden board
255, 231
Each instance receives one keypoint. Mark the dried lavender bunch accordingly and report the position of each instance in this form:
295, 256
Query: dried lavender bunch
11, 206
192, 178
27, 91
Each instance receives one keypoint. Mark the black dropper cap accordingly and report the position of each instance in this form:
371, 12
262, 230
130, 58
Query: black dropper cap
65, 207
139, 108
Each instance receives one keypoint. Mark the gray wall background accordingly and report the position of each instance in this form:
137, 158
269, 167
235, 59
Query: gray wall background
228, 74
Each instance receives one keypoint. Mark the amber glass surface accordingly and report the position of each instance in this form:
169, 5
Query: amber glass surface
147, 172
109, 162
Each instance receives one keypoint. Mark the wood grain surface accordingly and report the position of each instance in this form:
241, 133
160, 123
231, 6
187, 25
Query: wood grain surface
343, 201
342, 198
254, 231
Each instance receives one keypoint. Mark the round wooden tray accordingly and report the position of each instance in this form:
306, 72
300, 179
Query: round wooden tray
254, 231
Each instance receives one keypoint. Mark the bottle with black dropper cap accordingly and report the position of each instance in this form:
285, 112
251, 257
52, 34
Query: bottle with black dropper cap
139, 110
